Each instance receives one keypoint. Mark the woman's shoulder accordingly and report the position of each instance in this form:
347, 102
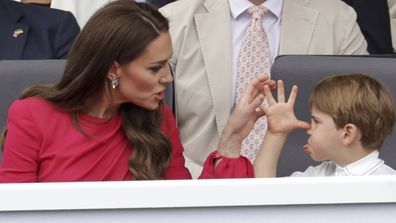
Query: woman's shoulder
37, 112
36, 106
32, 103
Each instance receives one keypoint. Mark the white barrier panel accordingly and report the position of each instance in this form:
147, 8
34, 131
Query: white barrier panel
329, 199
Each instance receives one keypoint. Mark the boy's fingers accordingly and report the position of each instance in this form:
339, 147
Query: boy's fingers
293, 95
302, 125
268, 95
281, 92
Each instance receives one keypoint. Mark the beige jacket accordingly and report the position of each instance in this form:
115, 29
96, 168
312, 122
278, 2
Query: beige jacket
201, 37
392, 14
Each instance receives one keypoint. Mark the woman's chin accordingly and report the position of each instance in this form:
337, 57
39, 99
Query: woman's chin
151, 106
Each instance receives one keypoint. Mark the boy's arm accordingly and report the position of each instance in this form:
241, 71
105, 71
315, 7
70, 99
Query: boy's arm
281, 120
267, 158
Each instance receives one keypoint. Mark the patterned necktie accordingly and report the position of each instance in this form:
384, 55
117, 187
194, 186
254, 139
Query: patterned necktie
253, 61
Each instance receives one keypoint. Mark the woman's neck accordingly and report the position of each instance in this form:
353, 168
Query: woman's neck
101, 107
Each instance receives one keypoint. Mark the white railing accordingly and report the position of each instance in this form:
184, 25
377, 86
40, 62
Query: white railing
330, 199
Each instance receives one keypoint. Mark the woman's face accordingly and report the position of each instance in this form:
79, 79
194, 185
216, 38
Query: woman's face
143, 80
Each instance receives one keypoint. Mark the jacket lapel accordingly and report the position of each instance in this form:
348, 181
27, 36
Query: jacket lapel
298, 23
14, 34
214, 33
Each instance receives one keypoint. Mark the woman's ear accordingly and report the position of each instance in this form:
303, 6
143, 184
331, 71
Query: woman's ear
113, 72
351, 134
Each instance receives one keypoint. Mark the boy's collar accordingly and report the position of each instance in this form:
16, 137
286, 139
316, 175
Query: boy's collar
364, 166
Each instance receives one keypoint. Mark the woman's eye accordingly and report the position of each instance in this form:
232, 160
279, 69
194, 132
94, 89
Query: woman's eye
155, 69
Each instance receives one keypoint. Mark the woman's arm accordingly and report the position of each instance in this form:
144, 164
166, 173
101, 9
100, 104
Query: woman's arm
21, 146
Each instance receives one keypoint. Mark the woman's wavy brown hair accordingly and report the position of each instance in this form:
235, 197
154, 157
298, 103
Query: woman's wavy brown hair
120, 31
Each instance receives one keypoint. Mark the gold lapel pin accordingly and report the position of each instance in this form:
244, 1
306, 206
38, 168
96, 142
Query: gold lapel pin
17, 33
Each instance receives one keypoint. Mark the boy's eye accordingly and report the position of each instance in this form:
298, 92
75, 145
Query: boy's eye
314, 120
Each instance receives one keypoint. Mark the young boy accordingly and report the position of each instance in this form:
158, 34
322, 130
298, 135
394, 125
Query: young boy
351, 117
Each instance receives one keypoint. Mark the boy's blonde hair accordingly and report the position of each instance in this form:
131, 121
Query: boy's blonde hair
360, 100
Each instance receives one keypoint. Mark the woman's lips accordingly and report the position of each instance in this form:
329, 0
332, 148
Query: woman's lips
160, 95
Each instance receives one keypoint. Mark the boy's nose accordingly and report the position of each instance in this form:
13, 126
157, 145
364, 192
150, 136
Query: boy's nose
309, 131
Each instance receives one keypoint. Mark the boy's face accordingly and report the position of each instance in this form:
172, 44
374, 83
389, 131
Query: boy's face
325, 141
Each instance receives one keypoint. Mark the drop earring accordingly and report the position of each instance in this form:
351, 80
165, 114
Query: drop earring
114, 82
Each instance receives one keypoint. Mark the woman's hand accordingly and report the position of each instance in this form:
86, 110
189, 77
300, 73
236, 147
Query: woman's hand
243, 117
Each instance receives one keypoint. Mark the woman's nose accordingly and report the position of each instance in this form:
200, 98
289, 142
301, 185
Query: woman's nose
167, 75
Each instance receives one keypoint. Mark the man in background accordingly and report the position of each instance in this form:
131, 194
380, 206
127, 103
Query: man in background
373, 19
84, 9
35, 32
392, 15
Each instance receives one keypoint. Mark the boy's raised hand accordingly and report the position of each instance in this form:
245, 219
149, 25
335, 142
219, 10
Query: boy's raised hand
280, 115
281, 120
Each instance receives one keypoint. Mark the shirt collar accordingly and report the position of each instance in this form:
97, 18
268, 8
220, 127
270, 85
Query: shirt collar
362, 167
238, 7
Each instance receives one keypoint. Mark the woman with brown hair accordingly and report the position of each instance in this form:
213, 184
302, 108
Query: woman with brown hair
105, 120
